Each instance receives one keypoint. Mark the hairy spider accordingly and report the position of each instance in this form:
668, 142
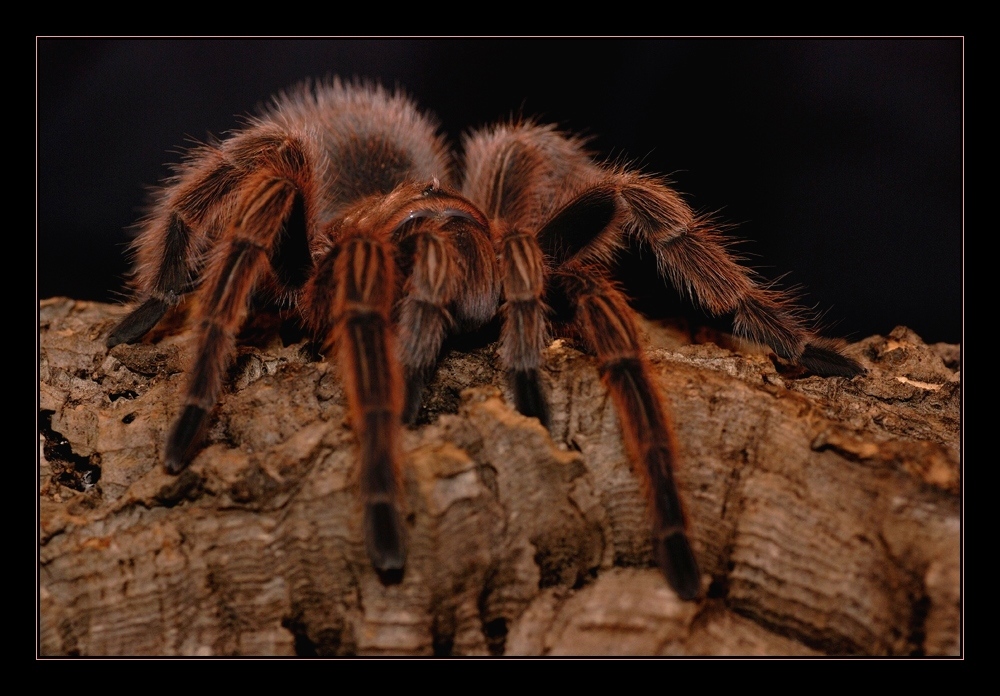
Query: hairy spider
336, 200
560, 221
339, 200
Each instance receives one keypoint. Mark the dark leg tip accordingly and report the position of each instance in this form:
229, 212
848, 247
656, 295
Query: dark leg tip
184, 438
393, 576
138, 322
528, 395
676, 560
416, 380
827, 362
385, 539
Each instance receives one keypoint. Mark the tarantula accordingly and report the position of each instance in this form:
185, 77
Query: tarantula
339, 199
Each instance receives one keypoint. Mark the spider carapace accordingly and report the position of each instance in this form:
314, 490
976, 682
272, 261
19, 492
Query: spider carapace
343, 201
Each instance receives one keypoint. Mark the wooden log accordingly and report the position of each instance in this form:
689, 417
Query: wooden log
824, 512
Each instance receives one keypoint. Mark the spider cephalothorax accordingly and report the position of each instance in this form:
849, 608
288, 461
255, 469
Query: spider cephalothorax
559, 221
339, 200
336, 200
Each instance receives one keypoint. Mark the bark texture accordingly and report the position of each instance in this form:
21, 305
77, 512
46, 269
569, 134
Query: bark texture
825, 513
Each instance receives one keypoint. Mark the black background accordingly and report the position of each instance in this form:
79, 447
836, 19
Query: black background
841, 159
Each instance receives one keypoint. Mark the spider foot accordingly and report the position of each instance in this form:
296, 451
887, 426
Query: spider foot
828, 362
386, 541
528, 395
138, 322
184, 438
416, 379
676, 560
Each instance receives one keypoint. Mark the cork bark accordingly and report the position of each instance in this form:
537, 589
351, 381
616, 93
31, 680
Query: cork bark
825, 512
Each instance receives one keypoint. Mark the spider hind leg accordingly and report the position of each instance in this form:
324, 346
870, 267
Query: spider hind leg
692, 253
606, 324
184, 438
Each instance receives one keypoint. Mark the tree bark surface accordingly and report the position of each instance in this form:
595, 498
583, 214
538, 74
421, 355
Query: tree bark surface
825, 512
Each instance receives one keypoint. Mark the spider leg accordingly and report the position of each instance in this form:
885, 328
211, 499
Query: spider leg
350, 299
525, 324
256, 247
693, 254
514, 172
169, 247
581, 225
606, 324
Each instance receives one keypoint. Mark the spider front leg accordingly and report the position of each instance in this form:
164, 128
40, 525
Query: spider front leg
604, 321
267, 223
350, 300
